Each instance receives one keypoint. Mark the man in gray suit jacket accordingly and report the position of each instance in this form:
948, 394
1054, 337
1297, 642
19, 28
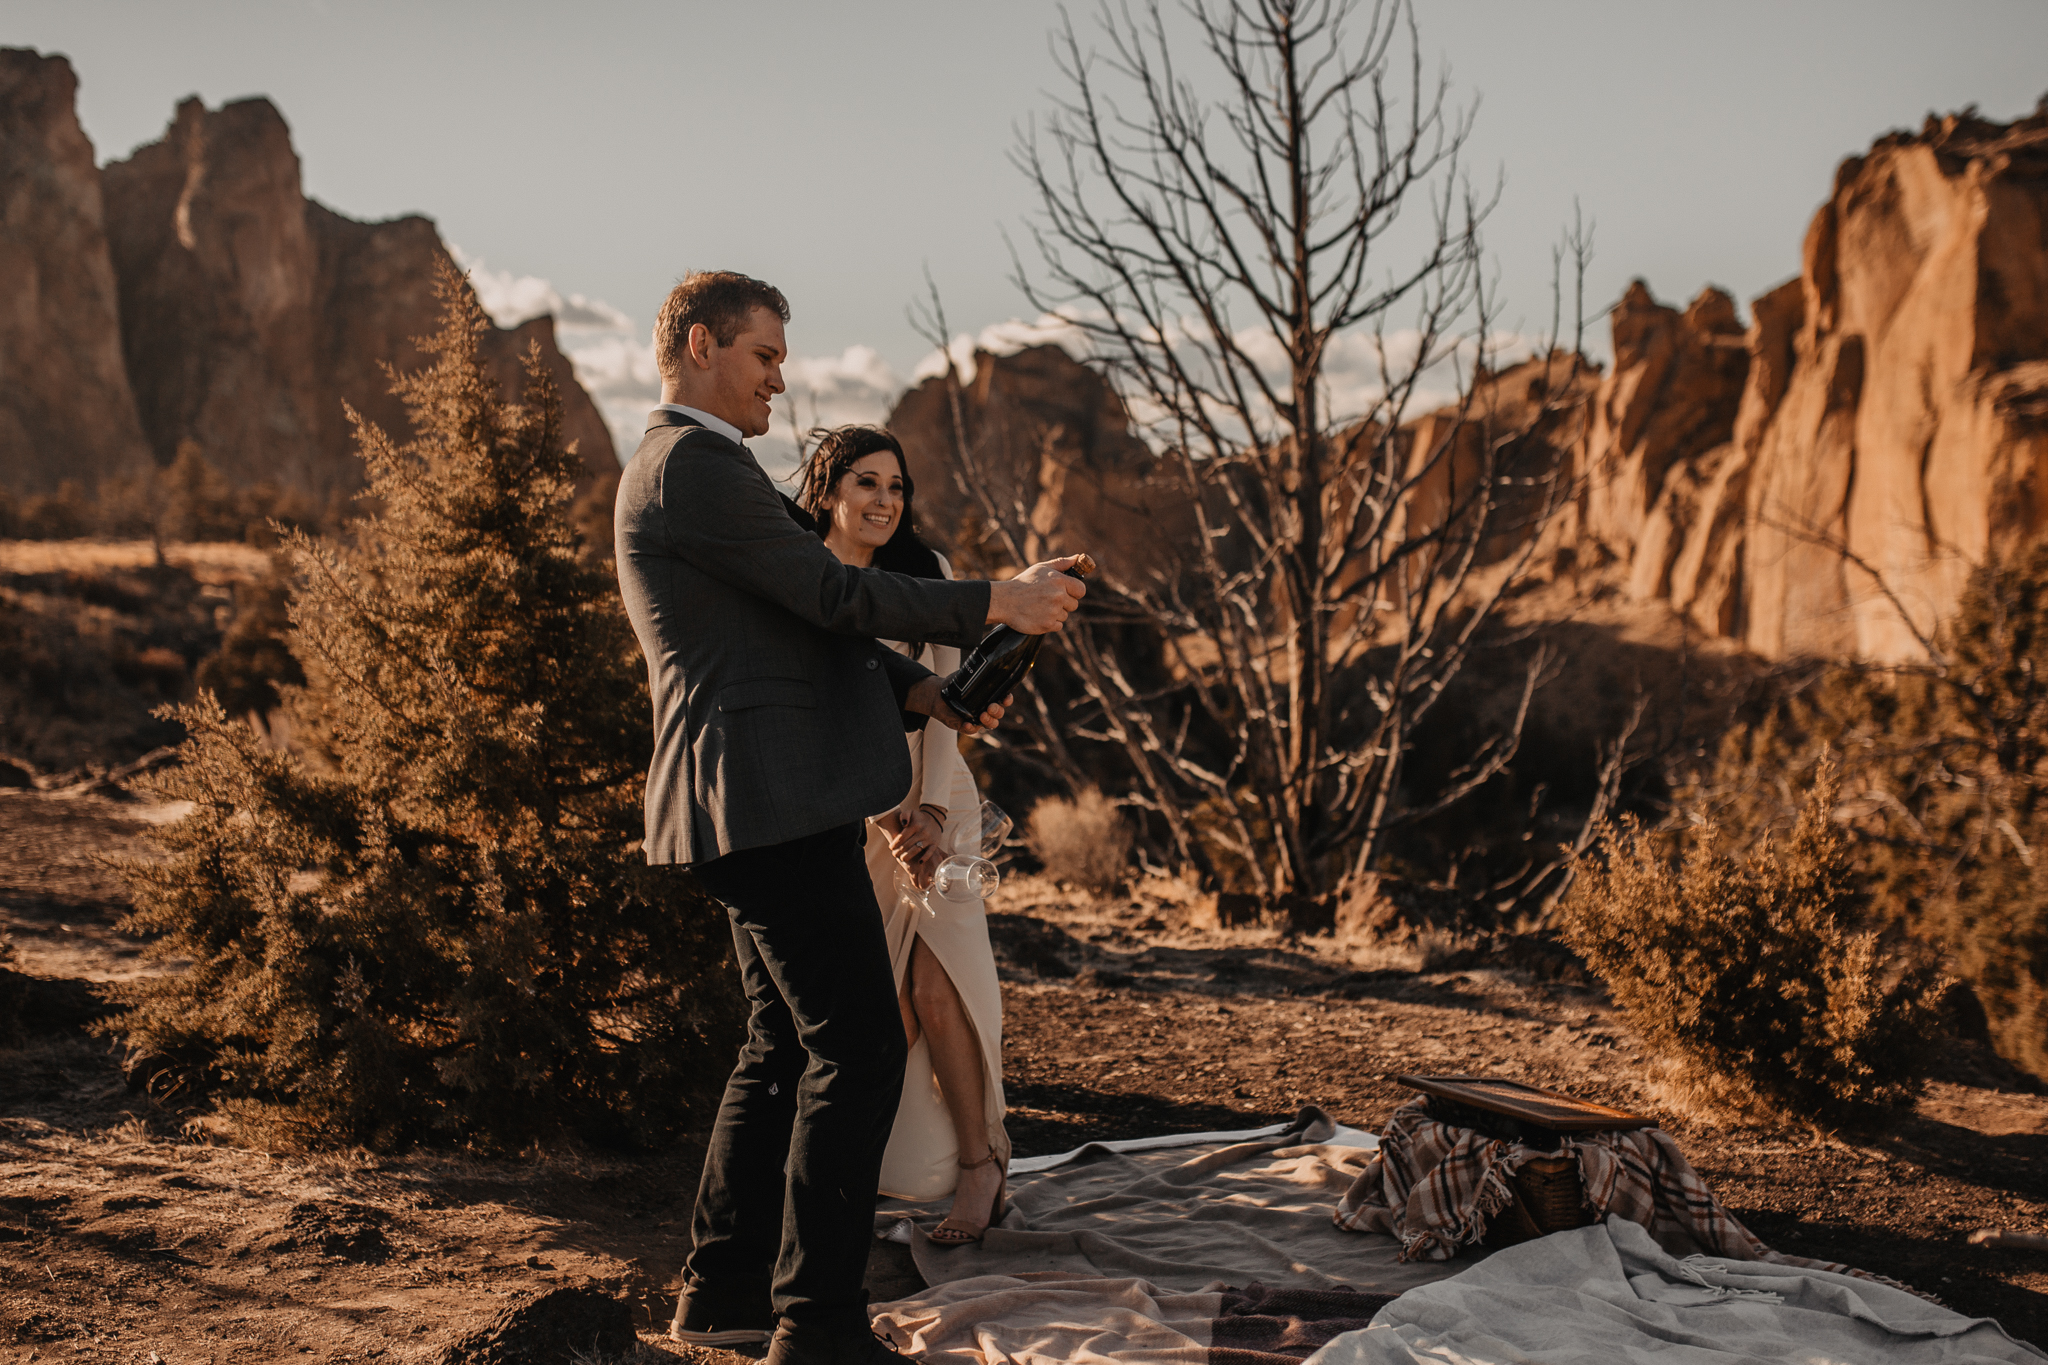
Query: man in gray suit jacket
778, 727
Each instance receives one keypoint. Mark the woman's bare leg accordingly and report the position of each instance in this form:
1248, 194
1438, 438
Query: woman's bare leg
909, 1011
957, 1062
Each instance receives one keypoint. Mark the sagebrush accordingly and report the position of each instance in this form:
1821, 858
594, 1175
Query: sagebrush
1757, 978
1085, 842
440, 926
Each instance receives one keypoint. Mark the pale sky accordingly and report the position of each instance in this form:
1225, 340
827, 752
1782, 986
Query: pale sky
601, 148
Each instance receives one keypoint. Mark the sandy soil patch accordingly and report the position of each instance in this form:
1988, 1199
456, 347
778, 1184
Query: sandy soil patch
208, 561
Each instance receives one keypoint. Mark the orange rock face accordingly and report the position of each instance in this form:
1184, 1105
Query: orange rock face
193, 294
1658, 458
1821, 483
1910, 440
207, 230
251, 314
65, 408
1054, 446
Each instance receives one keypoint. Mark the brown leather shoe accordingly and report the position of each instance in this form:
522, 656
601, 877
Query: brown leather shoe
798, 1344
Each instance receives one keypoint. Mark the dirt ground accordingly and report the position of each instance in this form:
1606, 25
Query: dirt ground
132, 1232
94, 634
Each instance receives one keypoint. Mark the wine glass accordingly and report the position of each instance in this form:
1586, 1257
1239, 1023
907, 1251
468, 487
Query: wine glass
972, 877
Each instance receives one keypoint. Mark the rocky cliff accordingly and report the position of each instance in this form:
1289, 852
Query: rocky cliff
251, 314
1053, 445
1821, 481
1817, 481
192, 296
65, 407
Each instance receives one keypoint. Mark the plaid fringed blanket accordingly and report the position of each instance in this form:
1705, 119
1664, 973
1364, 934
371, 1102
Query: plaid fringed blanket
1436, 1187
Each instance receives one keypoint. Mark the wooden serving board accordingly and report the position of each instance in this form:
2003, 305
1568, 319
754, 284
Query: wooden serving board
1527, 1103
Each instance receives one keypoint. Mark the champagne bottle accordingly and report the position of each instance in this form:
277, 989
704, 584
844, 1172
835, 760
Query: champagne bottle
999, 662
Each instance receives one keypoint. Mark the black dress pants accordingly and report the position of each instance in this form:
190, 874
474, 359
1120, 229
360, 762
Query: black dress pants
785, 1210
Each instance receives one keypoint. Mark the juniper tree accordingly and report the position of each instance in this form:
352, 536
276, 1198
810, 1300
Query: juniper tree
444, 929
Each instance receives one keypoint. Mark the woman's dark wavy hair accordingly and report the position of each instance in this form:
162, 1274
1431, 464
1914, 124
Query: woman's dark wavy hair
837, 452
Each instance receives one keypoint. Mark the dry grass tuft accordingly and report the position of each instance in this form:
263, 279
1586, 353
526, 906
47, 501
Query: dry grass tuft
1422, 951
1085, 842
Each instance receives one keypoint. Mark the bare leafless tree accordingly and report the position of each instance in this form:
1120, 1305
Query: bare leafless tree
1342, 567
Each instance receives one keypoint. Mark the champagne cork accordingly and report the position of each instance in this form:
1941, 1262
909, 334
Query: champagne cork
1083, 567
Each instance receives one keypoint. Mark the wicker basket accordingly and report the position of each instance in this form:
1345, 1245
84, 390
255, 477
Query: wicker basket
1549, 1197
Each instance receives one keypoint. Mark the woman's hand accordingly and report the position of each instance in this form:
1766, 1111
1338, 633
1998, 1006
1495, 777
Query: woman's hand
915, 845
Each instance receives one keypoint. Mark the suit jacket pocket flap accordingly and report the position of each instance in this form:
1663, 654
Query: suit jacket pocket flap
767, 692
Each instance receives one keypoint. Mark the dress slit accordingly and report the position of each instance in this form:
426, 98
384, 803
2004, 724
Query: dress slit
920, 1162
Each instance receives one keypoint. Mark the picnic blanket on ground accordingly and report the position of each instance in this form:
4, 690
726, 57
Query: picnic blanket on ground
1435, 1187
1036, 1318
1182, 1220
1608, 1295
1129, 1256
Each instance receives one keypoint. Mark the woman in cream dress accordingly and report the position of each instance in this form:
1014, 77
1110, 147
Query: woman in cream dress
949, 1134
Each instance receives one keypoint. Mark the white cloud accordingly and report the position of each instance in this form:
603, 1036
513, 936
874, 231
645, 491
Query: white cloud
1357, 368
1002, 338
617, 366
614, 361
617, 369
857, 385
613, 358
512, 299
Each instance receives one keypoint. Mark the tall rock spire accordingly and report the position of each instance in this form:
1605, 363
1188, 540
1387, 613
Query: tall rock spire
66, 410
251, 315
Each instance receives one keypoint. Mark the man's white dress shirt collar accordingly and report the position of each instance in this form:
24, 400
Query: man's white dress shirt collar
705, 420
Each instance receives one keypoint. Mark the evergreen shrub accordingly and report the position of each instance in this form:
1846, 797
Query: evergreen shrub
1757, 979
439, 926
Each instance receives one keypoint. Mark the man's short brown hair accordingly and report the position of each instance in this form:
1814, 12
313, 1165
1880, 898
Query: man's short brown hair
721, 300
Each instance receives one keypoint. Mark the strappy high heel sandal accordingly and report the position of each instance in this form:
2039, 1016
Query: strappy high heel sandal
953, 1233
